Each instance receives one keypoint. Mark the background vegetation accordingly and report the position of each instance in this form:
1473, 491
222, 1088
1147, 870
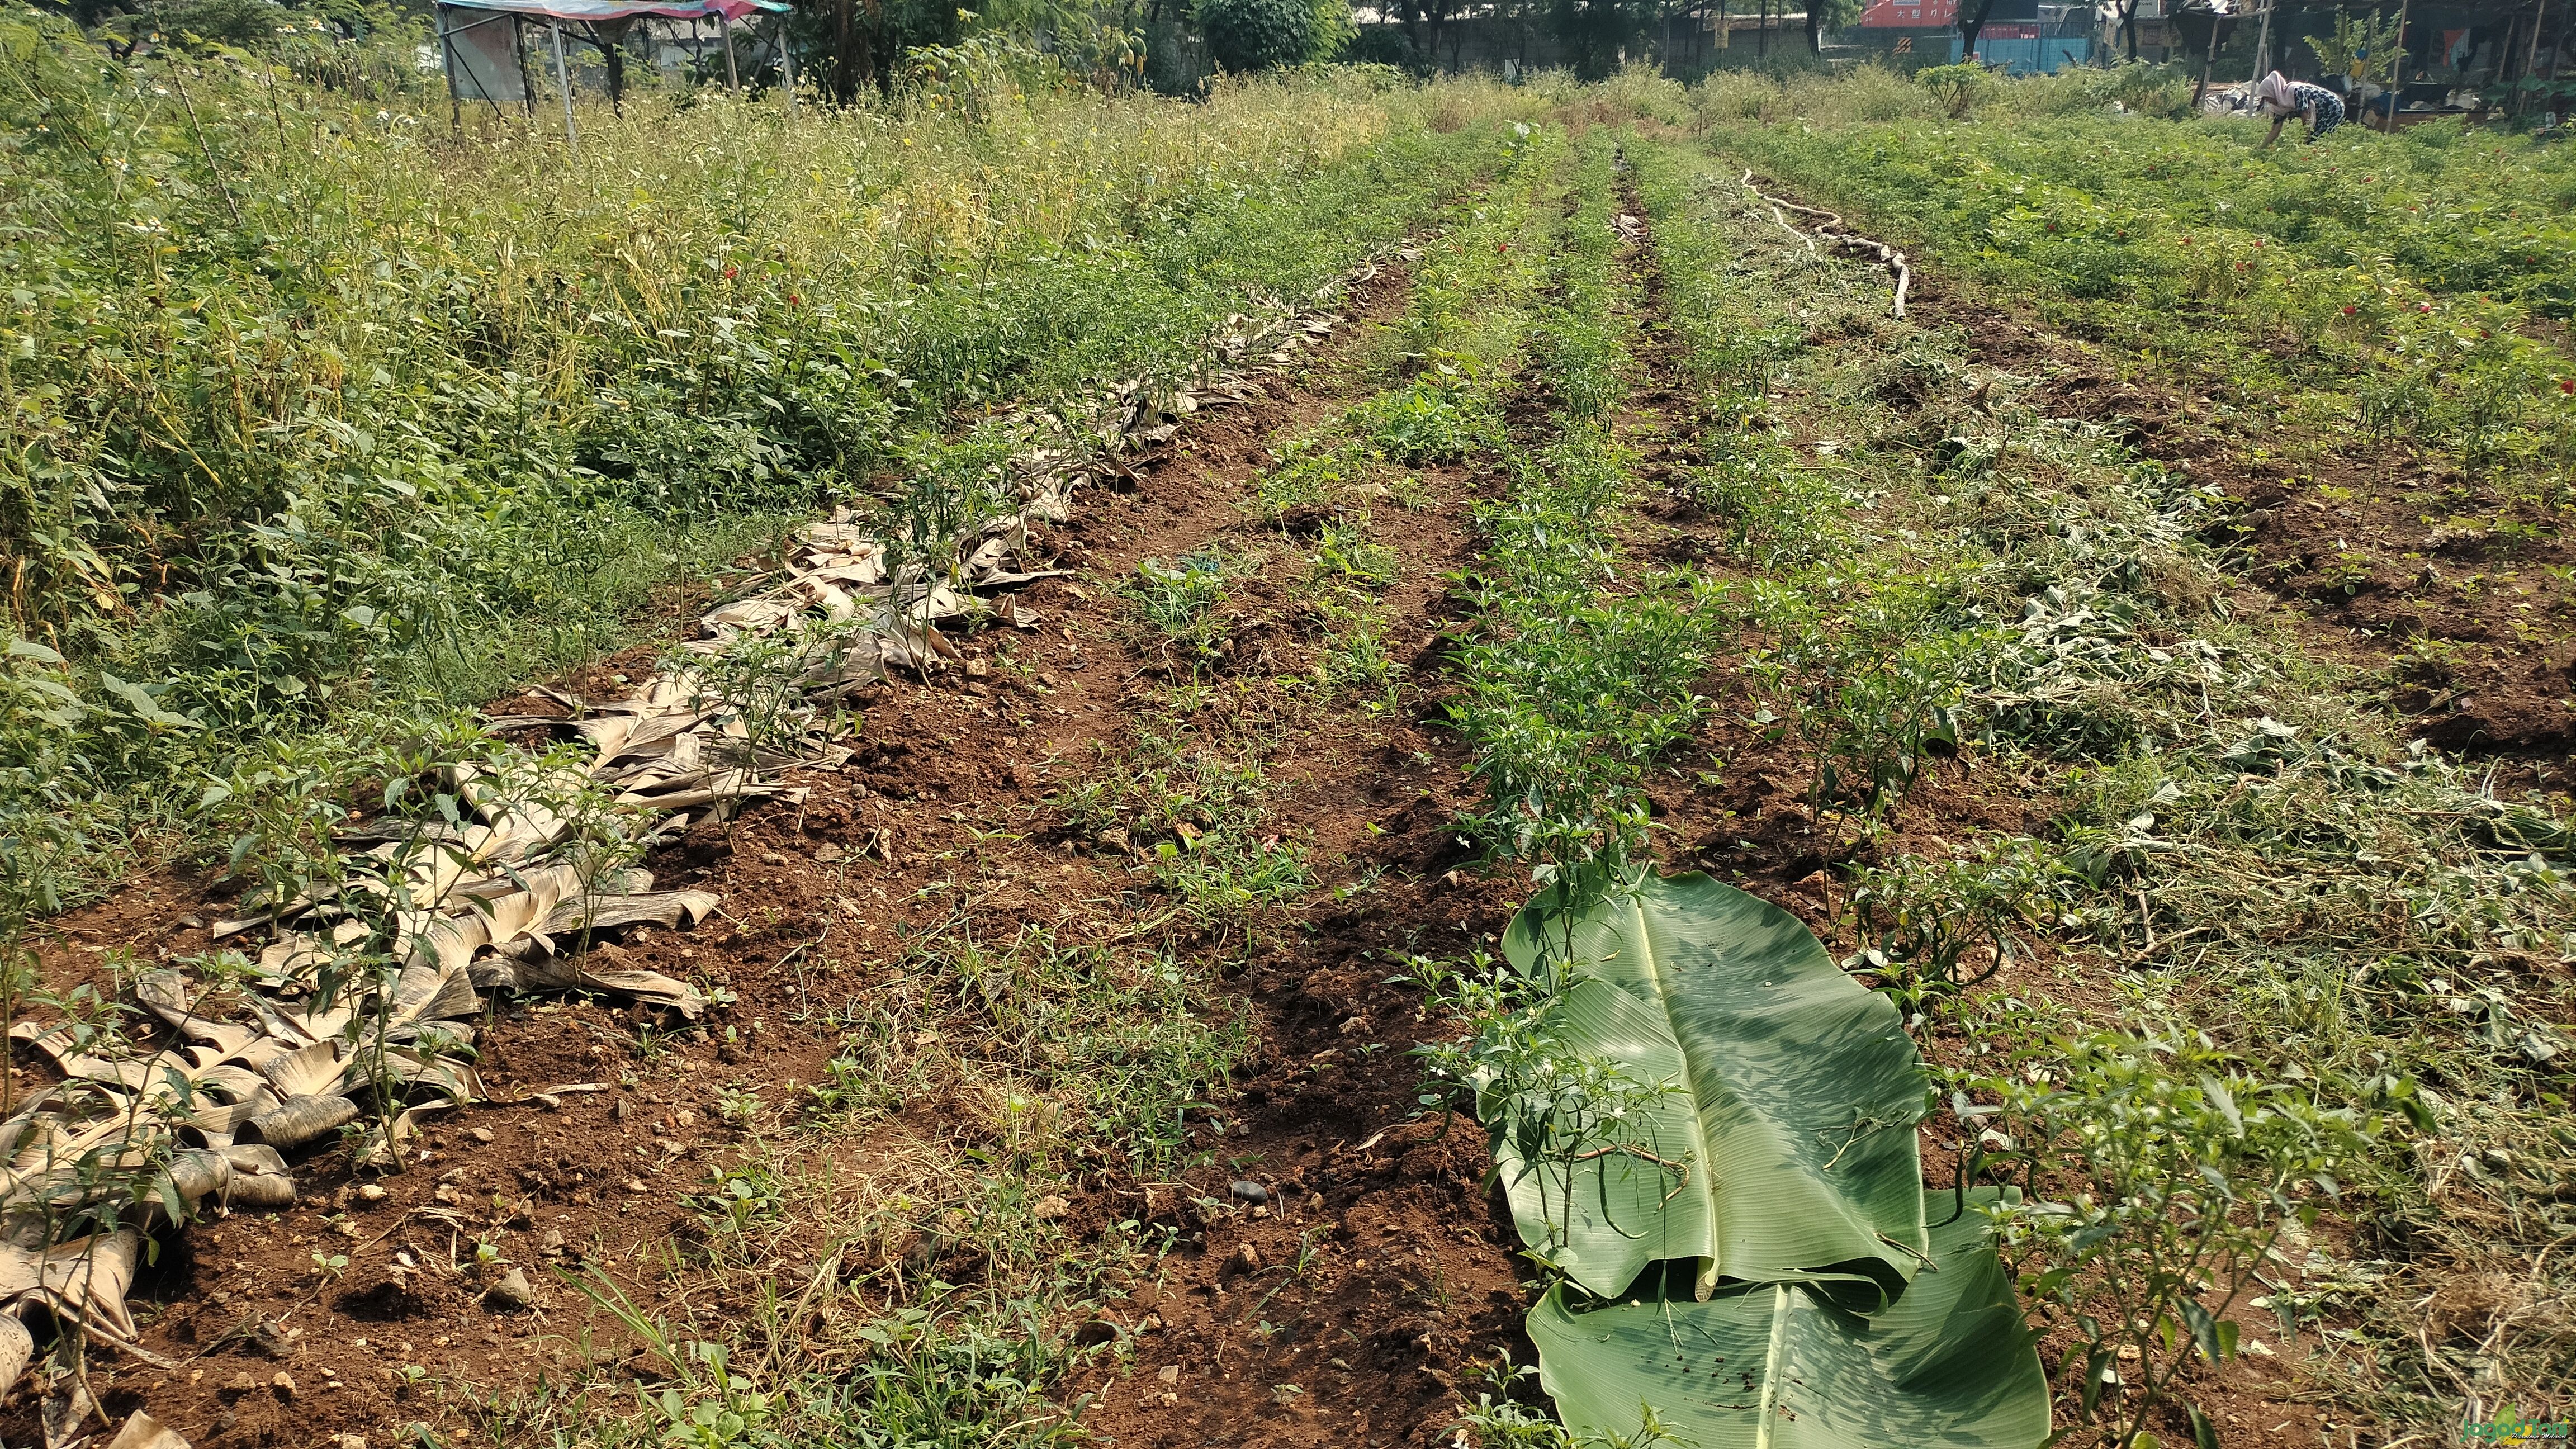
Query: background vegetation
318, 413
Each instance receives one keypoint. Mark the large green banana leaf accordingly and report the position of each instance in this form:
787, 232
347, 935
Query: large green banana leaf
1791, 1125
1950, 1365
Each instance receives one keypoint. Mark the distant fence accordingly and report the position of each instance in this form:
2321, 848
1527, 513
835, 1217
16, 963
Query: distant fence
2017, 56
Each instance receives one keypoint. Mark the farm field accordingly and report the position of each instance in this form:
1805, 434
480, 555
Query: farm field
1362, 763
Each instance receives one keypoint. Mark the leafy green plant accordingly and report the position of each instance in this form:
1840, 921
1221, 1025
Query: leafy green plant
2363, 48
1179, 599
1263, 34
1958, 88
1344, 550
740, 1199
1871, 684
2155, 1178
1933, 928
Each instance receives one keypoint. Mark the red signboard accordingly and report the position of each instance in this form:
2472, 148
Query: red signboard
1897, 14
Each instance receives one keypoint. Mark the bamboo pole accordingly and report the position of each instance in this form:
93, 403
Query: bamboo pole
724, 29
2531, 56
787, 64
563, 78
2397, 76
2208, 58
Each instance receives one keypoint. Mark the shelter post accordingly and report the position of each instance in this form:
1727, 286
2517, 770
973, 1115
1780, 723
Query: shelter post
724, 28
563, 78
787, 64
2396, 75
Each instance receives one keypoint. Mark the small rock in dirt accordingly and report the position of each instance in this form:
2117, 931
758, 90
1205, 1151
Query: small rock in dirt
1356, 1023
1050, 1208
551, 1242
348, 1441
284, 1383
481, 1134
269, 1336
771, 857
1244, 1259
371, 1193
1246, 1190
1115, 838
513, 1291
242, 1383
636, 1184
830, 855
445, 1192
1315, 1203
1170, 1374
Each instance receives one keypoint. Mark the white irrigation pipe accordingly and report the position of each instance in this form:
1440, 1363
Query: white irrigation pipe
1832, 230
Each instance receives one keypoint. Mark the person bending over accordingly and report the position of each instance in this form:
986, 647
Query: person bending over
2281, 98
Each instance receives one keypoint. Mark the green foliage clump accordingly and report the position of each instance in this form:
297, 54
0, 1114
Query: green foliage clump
311, 419
1248, 35
1957, 87
2155, 1179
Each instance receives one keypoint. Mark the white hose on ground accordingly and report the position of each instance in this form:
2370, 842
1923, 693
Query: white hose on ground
1831, 228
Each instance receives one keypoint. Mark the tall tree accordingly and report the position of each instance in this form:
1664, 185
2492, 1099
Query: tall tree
1824, 15
1595, 32
1972, 26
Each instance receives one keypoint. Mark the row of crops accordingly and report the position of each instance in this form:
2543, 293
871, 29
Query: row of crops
1693, 1109
1708, 1129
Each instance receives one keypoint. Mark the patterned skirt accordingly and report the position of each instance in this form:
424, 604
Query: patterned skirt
2329, 108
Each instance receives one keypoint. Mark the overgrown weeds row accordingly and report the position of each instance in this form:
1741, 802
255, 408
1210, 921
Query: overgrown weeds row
318, 421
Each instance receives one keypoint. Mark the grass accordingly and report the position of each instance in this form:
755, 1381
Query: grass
335, 420
899, 1233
